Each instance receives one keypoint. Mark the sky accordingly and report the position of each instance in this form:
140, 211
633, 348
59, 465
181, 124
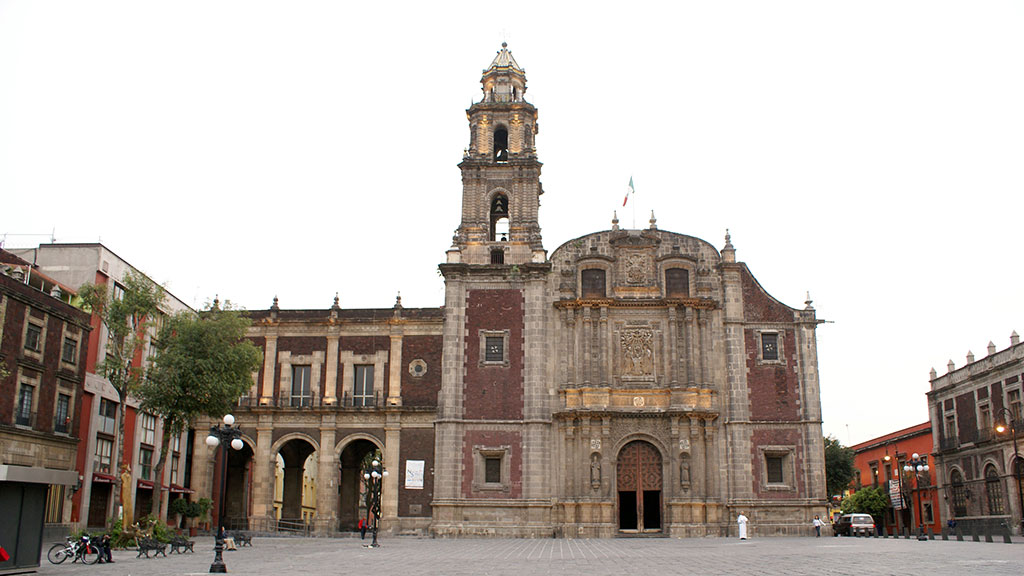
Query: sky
867, 152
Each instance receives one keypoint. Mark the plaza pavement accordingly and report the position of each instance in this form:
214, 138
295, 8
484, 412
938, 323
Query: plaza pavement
599, 557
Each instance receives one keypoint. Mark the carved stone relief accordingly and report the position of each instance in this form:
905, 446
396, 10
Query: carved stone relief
637, 348
638, 269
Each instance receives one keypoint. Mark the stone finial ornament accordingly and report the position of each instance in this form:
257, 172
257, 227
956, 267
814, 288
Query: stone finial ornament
654, 221
970, 357
932, 374
991, 348
615, 219
335, 306
728, 252
1014, 339
950, 366
808, 302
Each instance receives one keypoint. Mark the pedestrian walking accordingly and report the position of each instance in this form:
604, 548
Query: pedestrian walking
817, 526
362, 528
741, 520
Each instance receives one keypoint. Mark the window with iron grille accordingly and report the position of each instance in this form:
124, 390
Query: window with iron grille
495, 351
959, 494
677, 283
145, 463
769, 346
492, 470
593, 283
23, 416
62, 417
993, 491
33, 337
104, 450
362, 392
497, 256
773, 469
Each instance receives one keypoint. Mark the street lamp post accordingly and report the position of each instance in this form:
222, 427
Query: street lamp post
917, 466
374, 476
224, 436
899, 478
1008, 416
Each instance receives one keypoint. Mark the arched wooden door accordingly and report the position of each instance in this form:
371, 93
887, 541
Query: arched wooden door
638, 481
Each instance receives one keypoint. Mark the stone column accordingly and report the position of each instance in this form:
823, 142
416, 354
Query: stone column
395, 374
331, 376
588, 337
264, 465
604, 364
570, 346
327, 478
269, 363
673, 341
392, 444
691, 353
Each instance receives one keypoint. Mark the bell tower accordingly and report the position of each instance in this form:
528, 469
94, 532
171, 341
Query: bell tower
500, 173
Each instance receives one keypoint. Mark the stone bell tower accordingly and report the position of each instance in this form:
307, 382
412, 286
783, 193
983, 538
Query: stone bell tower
493, 429
500, 173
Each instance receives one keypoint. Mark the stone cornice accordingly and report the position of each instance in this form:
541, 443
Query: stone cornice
698, 303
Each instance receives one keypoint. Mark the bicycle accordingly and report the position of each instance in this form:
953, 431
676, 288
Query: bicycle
76, 549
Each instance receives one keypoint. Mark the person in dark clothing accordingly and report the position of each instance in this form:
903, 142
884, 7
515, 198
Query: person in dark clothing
103, 544
362, 528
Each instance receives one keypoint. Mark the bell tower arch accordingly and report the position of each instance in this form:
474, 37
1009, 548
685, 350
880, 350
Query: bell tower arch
500, 172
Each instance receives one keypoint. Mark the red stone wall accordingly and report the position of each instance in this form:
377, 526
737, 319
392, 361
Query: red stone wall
421, 390
492, 439
494, 392
417, 444
758, 306
772, 388
788, 438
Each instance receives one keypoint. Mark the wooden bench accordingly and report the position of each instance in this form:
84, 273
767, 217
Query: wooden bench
147, 545
180, 544
241, 538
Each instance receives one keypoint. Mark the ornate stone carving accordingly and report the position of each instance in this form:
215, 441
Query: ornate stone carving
595, 443
637, 352
638, 269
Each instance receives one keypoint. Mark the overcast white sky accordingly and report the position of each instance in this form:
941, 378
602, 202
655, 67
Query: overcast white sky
869, 152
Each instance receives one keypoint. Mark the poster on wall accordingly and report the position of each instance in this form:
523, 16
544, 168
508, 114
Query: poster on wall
414, 474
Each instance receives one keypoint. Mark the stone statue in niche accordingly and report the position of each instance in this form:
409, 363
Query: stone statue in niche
684, 470
637, 352
595, 471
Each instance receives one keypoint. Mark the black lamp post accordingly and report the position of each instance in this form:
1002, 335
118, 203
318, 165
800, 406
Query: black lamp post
1009, 423
374, 477
917, 466
224, 436
899, 478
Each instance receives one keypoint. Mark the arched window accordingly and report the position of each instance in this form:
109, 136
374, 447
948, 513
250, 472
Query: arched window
592, 282
501, 145
499, 218
677, 283
993, 491
960, 493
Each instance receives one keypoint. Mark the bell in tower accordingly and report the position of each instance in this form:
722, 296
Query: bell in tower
500, 173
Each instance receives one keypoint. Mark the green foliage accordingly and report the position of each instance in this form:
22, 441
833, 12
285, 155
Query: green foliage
203, 364
178, 506
204, 509
872, 501
193, 510
838, 466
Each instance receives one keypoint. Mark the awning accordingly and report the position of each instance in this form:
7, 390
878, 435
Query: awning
175, 489
145, 484
103, 478
37, 475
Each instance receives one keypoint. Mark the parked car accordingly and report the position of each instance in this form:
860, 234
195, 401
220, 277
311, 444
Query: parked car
854, 525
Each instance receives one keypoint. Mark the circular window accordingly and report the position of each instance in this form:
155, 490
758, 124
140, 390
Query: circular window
417, 367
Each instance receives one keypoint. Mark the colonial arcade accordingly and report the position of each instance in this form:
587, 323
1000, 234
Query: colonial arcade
635, 381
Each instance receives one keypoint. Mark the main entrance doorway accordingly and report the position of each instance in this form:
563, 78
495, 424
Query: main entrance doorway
638, 480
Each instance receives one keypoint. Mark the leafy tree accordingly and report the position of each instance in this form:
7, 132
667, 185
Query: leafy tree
202, 365
838, 466
872, 501
125, 313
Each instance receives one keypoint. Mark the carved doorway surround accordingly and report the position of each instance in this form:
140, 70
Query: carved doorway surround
638, 482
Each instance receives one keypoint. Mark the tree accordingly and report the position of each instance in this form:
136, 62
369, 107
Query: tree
872, 501
838, 467
125, 311
202, 365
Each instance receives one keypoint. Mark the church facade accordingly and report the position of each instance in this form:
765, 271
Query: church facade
631, 382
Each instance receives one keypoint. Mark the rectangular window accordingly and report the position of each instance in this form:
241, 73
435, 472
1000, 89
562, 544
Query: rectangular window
33, 337
148, 429
495, 351
145, 463
70, 351
592, 282
175, 461
497, 256
928, 517
62, 416
874, 476
362, 393
1013, 402
773, 469
301, 395
985, 420
104, 450
951, 434
23, 416
107, 416
492, 470
769, 346
176, 443
677, 283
